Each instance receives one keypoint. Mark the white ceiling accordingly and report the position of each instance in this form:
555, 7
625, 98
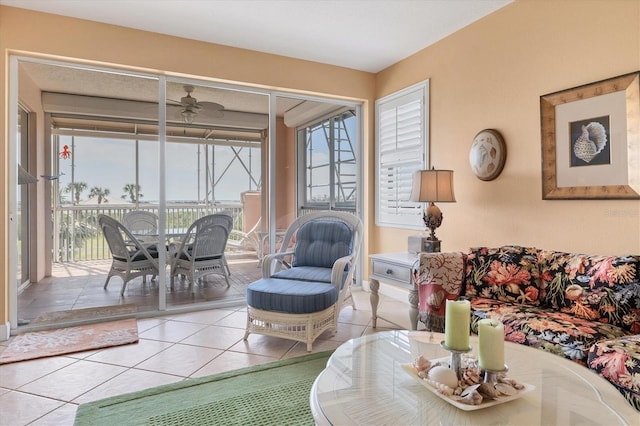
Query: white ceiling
367, 35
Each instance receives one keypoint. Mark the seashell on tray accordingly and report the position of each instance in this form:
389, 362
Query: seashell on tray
443, 375
469, 390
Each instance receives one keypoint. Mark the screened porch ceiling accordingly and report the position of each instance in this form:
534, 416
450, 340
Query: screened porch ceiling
98, 102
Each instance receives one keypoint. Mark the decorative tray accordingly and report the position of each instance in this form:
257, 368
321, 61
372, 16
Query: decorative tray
455, 400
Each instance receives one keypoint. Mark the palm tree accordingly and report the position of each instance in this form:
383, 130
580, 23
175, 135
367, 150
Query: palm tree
76, 189
101, 193
132, 191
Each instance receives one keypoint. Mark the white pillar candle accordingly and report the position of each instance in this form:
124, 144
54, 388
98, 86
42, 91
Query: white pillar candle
491, 345
456, 324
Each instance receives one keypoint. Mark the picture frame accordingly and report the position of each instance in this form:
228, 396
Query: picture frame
591, 142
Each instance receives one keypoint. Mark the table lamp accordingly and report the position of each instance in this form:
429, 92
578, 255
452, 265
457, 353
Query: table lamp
431, 186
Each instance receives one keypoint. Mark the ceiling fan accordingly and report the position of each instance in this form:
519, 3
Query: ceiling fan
190, 107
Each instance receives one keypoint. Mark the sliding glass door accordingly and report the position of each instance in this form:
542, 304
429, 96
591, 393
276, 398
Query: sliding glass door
25, 181
116, 142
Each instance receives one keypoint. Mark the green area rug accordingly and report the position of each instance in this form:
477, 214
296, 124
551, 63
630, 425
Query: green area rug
276, 393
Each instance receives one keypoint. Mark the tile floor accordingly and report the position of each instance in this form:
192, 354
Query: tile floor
171, 348
77, 285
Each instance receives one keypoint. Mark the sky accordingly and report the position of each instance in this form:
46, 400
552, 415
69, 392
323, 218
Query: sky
110, 164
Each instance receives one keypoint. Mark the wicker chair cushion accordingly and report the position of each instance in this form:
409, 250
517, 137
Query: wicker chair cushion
321, 243
305, 273
184, 256
291, 296
153, 251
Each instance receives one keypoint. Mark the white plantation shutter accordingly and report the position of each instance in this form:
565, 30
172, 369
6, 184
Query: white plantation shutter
401, 147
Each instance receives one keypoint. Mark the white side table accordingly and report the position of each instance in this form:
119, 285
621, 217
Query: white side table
394, 269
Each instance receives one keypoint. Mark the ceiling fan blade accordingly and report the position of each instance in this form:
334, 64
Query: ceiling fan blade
211, 113
211, 106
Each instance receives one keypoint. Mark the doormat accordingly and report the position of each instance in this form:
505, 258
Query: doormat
85, 314
40, 344
275, 393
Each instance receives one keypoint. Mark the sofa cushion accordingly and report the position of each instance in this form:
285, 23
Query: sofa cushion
597, 288
618, 361
291, 296
561, 333
507, 273
321, 243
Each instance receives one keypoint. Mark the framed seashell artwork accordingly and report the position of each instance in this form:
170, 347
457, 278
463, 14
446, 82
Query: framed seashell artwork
488, 154
590, 140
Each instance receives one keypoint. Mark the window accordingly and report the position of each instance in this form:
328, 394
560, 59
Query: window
330, 167
401, 149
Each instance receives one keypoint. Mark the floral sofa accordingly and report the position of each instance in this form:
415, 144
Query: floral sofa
583, 307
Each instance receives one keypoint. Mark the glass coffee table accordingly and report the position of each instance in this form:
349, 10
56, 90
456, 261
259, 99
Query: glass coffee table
365, 383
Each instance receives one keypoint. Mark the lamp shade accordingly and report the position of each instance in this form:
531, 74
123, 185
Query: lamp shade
433, 186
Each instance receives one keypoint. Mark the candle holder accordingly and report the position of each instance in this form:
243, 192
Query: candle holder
455, 360
491, 376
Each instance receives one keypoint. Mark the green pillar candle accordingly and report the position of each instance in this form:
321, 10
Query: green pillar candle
491, 345
456, 324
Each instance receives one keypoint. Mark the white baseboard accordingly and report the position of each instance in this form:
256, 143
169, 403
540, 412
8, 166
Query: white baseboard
5, 331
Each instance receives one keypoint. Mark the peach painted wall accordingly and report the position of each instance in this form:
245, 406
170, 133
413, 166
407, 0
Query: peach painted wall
491, 74
64, 38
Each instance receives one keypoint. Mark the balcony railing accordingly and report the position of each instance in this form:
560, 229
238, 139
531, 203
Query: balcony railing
78, 237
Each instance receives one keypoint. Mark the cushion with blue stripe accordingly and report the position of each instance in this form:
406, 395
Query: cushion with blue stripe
291, 296
321, 243
305, 273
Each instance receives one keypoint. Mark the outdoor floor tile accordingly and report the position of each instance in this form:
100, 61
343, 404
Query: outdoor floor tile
130, 381
180, 360
349, 315
270, 346
18, 374
130, 355
171, 331
207, 317
215, 337
235, 319
69, 382
64, 415
344, 332
231, 361
145, 324
319, 345
25, 408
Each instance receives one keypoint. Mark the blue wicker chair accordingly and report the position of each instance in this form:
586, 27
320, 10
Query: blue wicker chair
302, 291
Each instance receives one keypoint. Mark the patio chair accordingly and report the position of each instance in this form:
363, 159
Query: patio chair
201, 251
226, 220
142, 224
255, 239
247, 240
302, 299
130, 258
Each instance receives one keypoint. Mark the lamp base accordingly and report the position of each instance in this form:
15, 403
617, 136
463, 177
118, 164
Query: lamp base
421, 243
